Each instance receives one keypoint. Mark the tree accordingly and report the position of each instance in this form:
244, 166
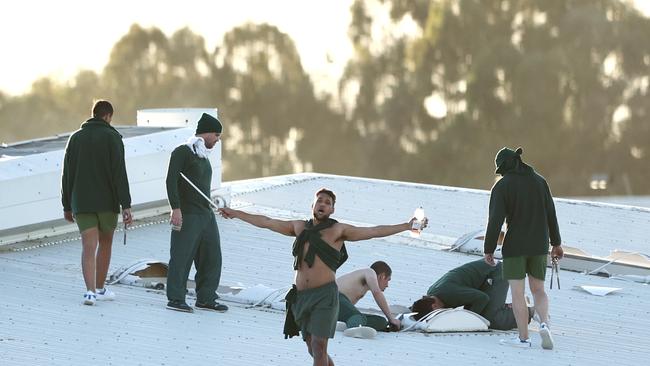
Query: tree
276, 123
479, 75
148, 70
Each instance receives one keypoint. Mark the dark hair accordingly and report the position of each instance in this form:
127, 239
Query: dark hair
102, 108
381, 267
422, 307
327, 192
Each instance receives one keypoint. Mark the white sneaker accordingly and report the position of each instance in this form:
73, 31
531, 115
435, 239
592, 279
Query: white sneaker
341, 326
360, 332
89, 298
547, 338
516, 342
104, 294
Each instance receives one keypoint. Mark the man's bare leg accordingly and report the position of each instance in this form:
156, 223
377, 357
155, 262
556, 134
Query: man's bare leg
104, 256
540, 298
308, 343
517, 288
89, 239
541, 306
319, 351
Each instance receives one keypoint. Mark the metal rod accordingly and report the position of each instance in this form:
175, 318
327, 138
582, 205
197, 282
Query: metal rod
198, 190
555, 271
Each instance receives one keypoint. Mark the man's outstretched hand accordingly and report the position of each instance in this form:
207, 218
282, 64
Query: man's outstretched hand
425, 222
227, 213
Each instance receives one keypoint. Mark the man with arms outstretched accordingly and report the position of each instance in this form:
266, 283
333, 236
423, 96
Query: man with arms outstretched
354, 285
313, 303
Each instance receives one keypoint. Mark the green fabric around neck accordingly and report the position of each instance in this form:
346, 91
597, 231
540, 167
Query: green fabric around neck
329, 255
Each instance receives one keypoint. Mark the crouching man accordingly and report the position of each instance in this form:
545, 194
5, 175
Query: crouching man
476, 286
354, 285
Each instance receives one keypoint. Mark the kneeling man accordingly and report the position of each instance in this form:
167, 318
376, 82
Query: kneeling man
476, 286
354, 285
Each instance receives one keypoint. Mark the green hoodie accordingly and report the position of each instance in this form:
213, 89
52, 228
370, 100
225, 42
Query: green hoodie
464, 285
522, 197
94, 172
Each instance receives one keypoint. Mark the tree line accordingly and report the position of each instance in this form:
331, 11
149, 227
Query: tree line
429, 95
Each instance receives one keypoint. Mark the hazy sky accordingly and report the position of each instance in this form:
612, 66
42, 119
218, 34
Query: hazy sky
58, 38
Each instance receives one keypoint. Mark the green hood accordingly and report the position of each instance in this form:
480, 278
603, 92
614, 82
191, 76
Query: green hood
509, 161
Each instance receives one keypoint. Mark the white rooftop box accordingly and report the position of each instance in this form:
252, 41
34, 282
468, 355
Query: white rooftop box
30, 172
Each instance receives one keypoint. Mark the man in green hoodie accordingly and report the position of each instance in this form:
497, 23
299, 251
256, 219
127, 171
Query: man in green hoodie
195, 235
523, 199
94, 185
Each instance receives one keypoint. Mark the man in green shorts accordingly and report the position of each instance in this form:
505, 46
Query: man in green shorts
354, 285
318, 250
93, 187
194, 235
478, 287
523, 199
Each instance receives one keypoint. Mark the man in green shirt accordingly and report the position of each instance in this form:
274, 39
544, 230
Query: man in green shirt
195, 235
318, 251
478, 287
94, 185
523, 199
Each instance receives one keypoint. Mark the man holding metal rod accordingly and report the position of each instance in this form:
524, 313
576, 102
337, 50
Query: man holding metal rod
195, 235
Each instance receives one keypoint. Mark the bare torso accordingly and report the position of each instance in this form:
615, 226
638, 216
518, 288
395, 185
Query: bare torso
354, 285
319, 274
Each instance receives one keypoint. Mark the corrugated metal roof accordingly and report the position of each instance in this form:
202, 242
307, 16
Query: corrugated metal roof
596, 228
43, 322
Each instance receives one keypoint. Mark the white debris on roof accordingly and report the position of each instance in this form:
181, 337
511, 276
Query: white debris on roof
42, 320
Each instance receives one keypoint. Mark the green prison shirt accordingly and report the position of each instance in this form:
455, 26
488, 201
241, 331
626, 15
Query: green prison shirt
461, 286
180, 193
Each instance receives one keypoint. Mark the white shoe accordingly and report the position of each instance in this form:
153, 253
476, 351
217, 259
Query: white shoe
547, 338
89, 298
341, 326
516, 342
360, 332
105, 294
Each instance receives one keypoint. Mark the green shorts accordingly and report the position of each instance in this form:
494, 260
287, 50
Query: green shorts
105, 221
352, 317
516, 268
316, 310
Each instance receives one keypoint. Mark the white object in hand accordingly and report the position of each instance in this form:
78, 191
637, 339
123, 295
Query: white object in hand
416, 226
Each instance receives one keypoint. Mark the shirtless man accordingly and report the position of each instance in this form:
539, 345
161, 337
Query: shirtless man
313, 303
354, 285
